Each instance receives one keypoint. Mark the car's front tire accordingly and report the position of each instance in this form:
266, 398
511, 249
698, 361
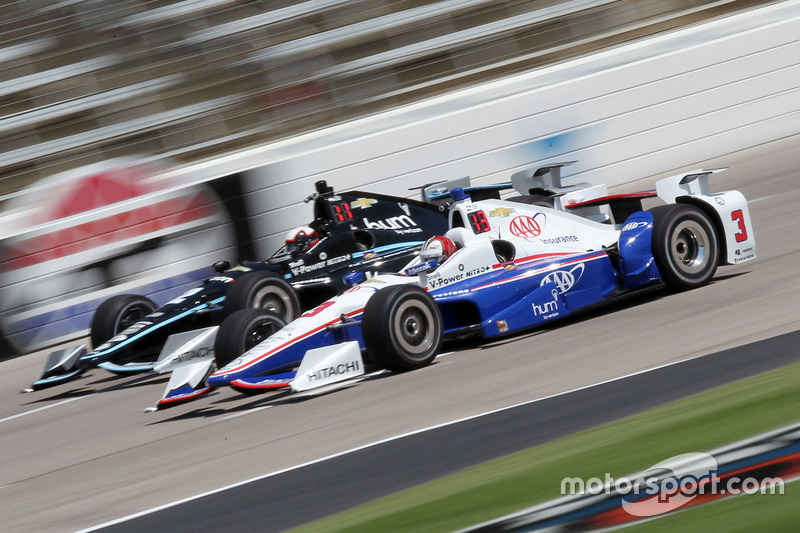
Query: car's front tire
402, 328
263, 290
243, 330
685, 246
117, 314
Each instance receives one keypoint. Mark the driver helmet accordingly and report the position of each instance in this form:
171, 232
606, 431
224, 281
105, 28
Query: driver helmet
301, 239
439, 248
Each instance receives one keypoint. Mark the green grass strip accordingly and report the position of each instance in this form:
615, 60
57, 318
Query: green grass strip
697, 423
756, 512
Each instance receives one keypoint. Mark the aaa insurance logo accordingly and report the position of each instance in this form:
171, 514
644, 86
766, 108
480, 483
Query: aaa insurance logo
528, 227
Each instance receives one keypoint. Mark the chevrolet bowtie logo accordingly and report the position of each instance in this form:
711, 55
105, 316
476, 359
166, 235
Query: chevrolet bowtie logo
501, 212
363, 203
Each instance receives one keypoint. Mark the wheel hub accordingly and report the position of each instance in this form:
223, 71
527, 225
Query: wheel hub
273, 299
412, 326
689, 246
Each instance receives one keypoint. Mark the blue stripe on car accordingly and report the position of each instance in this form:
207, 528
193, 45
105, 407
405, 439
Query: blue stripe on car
95, 355
389, 248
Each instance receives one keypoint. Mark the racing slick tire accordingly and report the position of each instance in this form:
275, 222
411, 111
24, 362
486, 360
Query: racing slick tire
684, 245
242, 330
117, 314
402, 328
263, 290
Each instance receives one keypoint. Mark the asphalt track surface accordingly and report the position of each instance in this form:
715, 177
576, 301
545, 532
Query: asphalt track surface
272, 503
83, 454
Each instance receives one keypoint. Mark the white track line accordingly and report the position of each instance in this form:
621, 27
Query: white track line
249, 411
12, 417
371, 445
762, 198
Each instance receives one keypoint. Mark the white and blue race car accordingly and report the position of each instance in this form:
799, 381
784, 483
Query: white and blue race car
503, 266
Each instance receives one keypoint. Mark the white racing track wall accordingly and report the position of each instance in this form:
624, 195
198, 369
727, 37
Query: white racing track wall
634, 111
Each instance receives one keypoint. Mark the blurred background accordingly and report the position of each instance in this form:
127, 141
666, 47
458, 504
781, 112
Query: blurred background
102, 103
87, 81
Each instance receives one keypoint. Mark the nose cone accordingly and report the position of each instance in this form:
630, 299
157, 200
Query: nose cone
218, 380
91, 360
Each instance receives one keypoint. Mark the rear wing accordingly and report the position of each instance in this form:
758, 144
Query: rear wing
438, 193
540, 180
694, 183
544, 180
618, 206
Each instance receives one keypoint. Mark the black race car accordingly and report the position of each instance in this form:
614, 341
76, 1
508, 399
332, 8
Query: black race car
352, 231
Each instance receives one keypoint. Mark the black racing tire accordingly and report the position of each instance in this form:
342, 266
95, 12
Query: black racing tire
262, 290
685, 246
242, 330
117, 314
402, 328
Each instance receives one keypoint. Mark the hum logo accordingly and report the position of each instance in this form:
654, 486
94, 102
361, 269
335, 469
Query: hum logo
548, 309
398, 222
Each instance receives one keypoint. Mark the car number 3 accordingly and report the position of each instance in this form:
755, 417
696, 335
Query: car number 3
738, 217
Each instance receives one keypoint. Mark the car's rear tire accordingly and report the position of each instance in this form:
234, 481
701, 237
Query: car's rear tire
402, 328
685, 246
117, 314
242, 330
263, 290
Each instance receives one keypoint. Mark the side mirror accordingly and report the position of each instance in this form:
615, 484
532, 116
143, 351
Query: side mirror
354, 278
221, 266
